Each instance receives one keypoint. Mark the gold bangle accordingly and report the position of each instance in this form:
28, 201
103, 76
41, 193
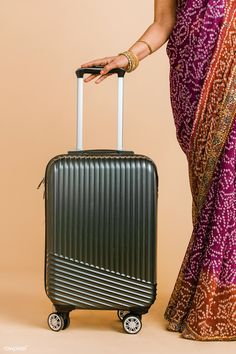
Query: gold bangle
129, 61
149, 47
132, 63
133, 60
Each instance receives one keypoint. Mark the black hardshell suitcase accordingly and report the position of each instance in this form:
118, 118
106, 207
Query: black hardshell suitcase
101, 228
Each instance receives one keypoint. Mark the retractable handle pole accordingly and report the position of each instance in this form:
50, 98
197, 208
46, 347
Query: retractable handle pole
80, 99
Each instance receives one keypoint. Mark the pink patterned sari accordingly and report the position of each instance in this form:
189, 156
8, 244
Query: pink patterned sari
202, 53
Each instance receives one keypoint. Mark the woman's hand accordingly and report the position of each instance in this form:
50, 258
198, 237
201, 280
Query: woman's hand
108, 63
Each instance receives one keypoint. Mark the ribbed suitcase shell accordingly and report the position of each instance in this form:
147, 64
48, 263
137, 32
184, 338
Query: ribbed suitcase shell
101, 228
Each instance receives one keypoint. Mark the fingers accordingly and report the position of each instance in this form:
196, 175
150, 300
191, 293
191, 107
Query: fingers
97, 62
108, 63
108, 67
102, 77
119, 61
93, 76
90, 77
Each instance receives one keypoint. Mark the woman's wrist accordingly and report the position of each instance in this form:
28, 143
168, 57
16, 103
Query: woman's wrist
140, 49
133, 60
135, 53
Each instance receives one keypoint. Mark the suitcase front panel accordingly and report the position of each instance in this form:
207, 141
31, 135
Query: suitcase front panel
101, 212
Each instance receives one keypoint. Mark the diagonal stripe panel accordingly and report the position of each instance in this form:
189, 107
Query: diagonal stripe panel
84, 286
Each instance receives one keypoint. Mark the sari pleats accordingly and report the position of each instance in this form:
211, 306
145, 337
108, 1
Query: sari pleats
203, 303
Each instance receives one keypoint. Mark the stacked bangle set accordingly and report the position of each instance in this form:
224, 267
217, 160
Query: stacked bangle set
133, 60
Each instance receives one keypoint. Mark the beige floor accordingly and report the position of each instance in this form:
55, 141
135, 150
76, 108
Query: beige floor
25, 307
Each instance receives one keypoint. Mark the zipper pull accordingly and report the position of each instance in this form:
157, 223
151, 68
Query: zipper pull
42, 182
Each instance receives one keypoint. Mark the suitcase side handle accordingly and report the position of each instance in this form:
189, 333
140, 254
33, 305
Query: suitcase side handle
80, 93
97, 69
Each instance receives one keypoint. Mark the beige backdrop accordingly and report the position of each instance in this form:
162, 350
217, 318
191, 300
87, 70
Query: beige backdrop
42, 44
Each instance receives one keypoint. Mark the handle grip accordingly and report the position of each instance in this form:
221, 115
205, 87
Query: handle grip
96, 70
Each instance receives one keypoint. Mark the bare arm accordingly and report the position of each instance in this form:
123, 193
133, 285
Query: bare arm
156, 35
159, 31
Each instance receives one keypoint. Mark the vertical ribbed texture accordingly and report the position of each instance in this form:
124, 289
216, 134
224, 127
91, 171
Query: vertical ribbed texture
102, 211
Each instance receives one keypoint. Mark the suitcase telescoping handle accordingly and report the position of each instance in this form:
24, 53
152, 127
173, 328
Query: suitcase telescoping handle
80, 88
